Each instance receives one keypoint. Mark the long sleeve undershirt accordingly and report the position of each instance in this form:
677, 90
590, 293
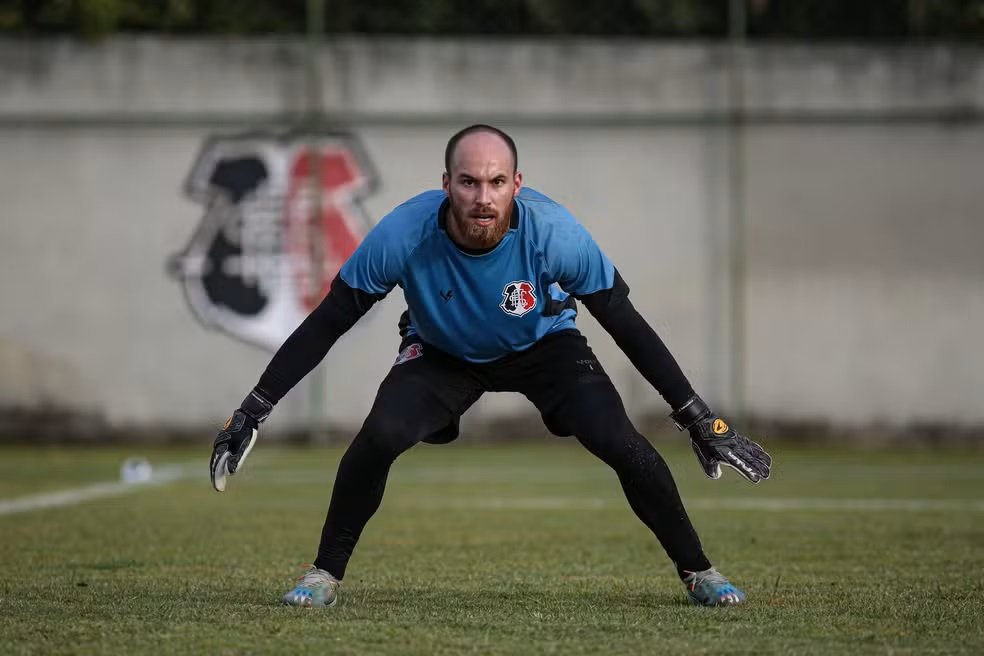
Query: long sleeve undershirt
640, 343
307, 346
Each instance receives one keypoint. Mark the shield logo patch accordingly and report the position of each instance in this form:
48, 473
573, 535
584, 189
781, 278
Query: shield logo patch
518, 298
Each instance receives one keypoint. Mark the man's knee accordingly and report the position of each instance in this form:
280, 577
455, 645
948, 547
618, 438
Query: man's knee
389, 434
610, 438
594, 413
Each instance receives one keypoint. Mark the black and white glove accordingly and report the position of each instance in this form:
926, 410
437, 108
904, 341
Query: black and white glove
715, 443
236, 439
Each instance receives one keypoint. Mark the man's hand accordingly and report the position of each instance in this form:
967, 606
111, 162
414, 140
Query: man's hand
236, 439
231, 446
715, 443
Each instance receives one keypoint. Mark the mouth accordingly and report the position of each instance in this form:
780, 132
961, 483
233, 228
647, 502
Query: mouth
483, 220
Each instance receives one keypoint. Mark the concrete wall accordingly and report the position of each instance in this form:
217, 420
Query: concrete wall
865, 298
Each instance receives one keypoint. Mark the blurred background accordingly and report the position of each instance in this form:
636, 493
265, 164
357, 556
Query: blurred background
791, 189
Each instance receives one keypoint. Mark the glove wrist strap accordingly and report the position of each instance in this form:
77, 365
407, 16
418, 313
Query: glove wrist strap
256, 406
690, 413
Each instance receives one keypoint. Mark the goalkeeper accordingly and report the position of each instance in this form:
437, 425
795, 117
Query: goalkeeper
490, 271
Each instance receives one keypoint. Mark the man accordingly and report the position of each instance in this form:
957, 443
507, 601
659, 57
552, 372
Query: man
490, 271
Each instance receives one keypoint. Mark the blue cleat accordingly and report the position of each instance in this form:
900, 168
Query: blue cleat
316, 588
710, 588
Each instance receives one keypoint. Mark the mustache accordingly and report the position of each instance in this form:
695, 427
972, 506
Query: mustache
464, 210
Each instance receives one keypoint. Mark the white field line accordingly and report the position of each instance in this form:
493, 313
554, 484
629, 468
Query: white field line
758, 504
74, 496
837, 505
170, 473
580, 474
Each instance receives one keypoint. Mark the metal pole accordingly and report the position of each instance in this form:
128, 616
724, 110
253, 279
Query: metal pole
737, 21
317, 410
315, 37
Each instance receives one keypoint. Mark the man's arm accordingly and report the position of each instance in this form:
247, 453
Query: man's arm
713, 441
637, 339
341, 308
368, 275
307, 346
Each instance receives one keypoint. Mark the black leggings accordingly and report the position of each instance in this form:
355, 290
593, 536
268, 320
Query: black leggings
408, 411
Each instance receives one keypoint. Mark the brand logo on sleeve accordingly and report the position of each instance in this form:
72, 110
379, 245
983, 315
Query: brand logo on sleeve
518, 298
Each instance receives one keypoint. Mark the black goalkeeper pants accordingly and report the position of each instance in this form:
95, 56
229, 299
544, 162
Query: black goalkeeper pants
427, 391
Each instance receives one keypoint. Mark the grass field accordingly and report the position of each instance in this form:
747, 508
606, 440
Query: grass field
516, 549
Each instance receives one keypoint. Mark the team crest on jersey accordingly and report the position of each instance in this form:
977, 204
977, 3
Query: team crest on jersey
518, 298
411, 352
281, 214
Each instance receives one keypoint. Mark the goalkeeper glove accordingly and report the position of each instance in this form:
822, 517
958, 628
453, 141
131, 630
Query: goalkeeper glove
715, 443
236, 439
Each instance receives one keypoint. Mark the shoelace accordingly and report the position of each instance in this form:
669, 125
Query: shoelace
315, 577
711, 576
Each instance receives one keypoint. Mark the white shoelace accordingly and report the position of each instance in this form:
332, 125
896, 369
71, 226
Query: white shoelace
316, 577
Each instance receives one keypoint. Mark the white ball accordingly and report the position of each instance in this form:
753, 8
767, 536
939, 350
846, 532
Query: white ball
136, 469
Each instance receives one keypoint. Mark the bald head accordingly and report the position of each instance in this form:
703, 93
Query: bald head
481, 181
484, 141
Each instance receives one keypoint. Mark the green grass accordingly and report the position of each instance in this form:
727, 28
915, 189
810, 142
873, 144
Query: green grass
518, 549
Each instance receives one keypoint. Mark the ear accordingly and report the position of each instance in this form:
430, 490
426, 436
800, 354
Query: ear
445, 183
517, 182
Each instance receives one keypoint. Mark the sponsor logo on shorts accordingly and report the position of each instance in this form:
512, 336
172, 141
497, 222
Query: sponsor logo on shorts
411, 352
518, 298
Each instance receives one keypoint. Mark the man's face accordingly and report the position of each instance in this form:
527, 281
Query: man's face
481, 186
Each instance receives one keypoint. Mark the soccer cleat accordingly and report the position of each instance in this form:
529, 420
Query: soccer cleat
316, 588
710, 588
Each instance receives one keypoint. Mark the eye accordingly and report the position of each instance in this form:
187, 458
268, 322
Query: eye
498, 182
467, 182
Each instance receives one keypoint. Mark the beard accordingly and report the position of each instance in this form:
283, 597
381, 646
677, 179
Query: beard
478, 236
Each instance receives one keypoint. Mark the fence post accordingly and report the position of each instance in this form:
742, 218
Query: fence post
737, 274
313, 122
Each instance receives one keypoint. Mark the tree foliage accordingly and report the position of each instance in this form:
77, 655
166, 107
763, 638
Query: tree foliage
767, 19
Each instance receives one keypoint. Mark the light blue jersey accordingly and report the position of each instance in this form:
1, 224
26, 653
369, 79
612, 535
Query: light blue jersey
482, 307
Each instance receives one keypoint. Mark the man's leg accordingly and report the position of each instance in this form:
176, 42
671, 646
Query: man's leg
421, 399
594, 413
570, 388
401, 416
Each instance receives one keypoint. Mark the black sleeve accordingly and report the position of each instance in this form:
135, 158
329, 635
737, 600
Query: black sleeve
633, 334
309, 343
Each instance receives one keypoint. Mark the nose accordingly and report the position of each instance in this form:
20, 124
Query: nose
484, 195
